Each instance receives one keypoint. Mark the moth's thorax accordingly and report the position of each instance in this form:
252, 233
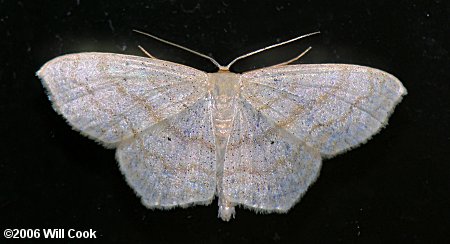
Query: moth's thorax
224, 84
224, 90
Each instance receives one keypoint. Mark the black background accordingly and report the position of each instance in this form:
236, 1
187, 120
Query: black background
394, 188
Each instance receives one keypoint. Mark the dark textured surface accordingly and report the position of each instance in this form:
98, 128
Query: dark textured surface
395, 188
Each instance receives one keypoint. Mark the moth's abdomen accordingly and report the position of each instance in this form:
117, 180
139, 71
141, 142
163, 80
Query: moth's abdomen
223, 115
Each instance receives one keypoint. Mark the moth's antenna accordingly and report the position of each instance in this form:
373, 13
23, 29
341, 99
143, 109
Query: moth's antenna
293, 59
184, 48
145, 51
270, 47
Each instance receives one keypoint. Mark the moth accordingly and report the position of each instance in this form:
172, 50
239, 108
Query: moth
183, 136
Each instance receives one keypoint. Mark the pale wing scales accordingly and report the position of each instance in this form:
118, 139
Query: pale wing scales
266, 168
173, 162
332, 107
110, 97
